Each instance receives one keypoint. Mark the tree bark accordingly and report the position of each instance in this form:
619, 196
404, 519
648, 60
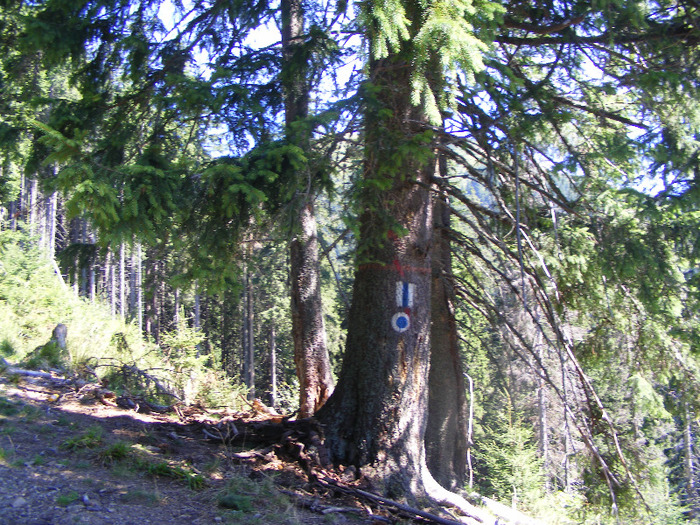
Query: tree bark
52, 205
273, 365
111, 276
542, 420
446, 432
376, 417
689, 467
122, 280
248, 336
308, 330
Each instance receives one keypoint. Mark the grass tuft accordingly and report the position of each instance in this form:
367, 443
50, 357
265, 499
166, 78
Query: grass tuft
67, 498
91, 438
115, 452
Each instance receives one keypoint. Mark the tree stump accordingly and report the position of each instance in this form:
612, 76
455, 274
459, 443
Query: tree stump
58, 336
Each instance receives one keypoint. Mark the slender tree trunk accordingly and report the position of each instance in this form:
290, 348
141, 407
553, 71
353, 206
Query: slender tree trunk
91, 269
542, 424
567, 427
197, 308
197, 317
139, 285
446, 432
85, 263
32, 205
308, 330
150, 285
176, 313
75, 237
122, 280
689, 467
273, 365
470, 431
133, 282
52, 209
226, 358
111, 270
248, 336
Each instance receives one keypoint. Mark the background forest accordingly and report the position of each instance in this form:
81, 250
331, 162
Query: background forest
154, 175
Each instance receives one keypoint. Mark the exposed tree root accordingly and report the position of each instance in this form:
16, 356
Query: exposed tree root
300, 441
443, 497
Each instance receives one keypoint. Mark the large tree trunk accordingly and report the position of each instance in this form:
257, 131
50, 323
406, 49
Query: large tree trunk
446, 433
376, 417
308, 330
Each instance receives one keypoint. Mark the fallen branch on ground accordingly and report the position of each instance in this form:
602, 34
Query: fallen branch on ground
375, 498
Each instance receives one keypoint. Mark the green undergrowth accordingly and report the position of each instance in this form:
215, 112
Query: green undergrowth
243, 496
100, 346
240, 498
133, 456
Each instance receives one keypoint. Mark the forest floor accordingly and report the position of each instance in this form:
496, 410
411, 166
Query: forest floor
71, 459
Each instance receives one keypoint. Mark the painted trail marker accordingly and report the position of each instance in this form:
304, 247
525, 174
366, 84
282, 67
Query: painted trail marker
405, 293
401, 322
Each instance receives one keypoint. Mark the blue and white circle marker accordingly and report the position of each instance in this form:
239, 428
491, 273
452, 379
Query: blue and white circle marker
400, 322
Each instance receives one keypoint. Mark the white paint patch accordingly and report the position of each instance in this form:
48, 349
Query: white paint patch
401, 322
404, 294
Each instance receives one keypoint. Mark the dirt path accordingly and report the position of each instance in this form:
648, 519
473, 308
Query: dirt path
66, 461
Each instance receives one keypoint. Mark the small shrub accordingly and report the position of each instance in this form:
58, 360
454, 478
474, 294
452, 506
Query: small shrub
46, 356
6, 348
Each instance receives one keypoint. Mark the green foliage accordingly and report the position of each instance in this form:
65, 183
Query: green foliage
389, 23
46, 356
512, 461
446, 42
557, 127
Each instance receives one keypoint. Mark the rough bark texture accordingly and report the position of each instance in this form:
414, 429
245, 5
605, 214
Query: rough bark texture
249, 336
308, 330
376, 417
446, 433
